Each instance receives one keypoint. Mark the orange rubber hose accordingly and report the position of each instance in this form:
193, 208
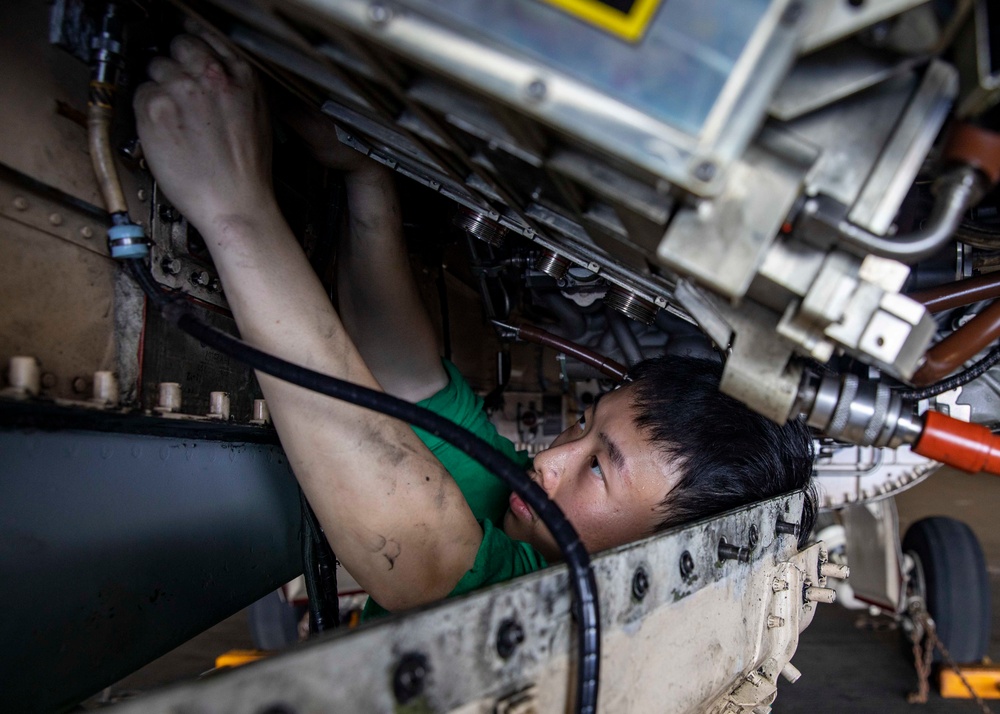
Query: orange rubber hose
969, 447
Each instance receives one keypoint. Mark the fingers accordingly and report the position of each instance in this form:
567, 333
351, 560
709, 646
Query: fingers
164, 69
233, 61
195, 57
219, 46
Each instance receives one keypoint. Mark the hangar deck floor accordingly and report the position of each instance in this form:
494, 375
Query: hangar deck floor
851, 663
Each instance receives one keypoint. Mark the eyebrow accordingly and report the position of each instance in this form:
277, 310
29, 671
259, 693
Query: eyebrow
614, 453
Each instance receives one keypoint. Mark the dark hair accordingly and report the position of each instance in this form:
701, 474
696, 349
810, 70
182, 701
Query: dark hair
729, 455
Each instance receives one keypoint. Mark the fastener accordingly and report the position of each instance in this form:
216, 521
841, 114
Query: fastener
727, 551
687, 565
509, 636
410, 677
640, 583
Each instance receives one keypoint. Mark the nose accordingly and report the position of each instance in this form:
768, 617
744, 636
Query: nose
550, 467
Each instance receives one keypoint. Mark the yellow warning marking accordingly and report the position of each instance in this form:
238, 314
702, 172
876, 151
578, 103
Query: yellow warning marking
985, 679
630, 25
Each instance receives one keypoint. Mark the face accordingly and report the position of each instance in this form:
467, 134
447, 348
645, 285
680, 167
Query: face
604, 476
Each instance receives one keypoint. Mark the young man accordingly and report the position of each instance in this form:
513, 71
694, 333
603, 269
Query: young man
414, 520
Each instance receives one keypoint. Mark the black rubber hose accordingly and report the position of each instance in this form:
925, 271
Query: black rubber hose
575, 555
964, 377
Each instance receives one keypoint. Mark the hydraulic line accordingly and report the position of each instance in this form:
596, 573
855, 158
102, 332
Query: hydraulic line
577, 560
625, 338
946, 385
108, 62
969, 447
868, 413
957, 191
960, 293
530, 333
960, 346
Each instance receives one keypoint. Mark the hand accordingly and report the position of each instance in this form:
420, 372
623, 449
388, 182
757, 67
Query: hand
205, 131
319, 133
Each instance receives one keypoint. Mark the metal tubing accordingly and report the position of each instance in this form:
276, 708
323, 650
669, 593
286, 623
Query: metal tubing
98, 124
606, 366
957, 191
964, 343
959, 294
625, 338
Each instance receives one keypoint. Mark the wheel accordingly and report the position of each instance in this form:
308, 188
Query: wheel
955, 584
273, 622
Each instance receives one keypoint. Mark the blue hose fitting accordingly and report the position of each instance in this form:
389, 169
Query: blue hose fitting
127, 240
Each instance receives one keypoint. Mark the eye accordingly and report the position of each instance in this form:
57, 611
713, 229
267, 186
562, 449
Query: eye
596, 467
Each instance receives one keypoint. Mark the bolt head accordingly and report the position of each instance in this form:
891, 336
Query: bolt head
509, 636
793, 13
410, 677
87, 232
705, 171
536, 90
20, 203
640, 583
687, 565
379, 13
56, 219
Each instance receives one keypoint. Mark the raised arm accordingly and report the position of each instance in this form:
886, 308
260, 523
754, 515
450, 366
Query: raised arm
394, 517
380, 304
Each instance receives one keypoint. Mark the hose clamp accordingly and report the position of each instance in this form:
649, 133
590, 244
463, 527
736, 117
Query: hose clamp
127, 241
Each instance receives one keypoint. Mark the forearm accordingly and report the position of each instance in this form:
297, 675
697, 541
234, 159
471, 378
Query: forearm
379, 299
360, 470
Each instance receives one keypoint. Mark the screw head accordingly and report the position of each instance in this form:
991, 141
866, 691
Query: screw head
509, 636
20, 203
55, 219
640, 583
379, 13
410, 677
793, 13
168, 214
87, 232
687, 565
705, 171
536, 90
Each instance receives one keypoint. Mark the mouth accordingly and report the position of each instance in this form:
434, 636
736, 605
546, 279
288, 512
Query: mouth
520, 509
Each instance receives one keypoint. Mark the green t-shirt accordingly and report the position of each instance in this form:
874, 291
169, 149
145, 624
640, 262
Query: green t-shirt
500, 558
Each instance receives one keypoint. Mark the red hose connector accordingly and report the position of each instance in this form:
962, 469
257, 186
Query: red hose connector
965, 446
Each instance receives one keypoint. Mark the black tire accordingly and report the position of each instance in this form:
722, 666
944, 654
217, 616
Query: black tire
956, 585
273, 622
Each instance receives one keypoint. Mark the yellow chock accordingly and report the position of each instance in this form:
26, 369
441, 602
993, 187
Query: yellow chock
237, 658
983, 678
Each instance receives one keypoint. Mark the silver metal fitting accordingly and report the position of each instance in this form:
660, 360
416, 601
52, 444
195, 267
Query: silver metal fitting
481, 226
857, 411
218, 406
24, 376
169, 397
105, 388
260, 415
631, 305
552, 264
